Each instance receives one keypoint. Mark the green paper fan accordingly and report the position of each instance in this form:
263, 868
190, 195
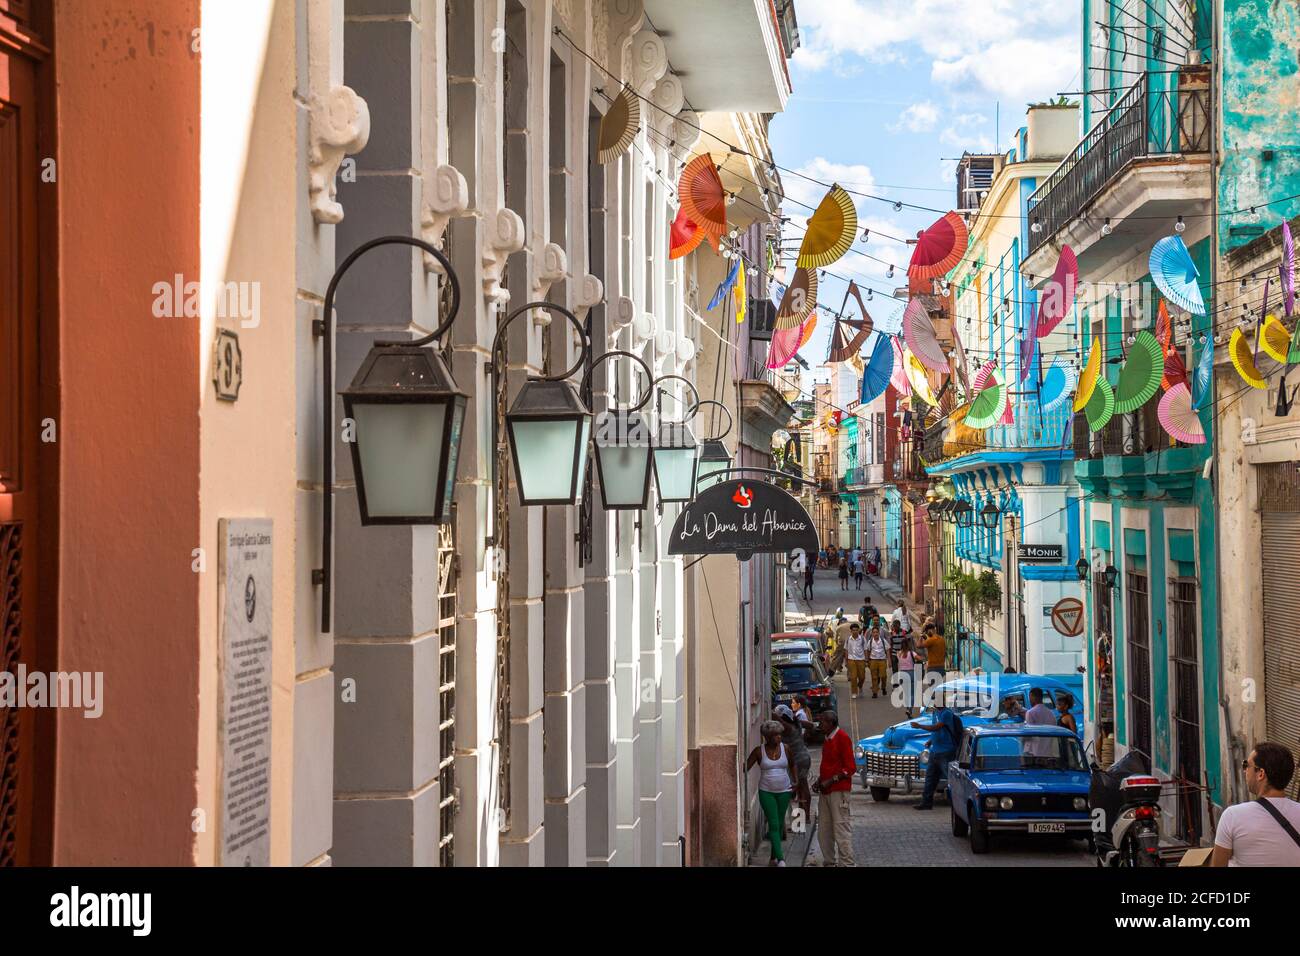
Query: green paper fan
1294, 355
1140, 377
988, 405
1101, 407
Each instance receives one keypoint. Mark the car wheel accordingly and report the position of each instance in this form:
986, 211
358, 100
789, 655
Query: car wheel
979, 836
880, 794
959, 826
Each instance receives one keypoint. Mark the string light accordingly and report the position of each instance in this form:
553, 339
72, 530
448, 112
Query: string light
866, 235
898, 207
1106, 229
890, 273
1180, 226
1037, 226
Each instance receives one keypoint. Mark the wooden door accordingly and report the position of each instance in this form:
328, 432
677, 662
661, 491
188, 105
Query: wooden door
26, 381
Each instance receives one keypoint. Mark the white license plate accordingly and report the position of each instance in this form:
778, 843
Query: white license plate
1047, 828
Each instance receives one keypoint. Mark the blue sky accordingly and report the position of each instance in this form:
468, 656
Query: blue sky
884, 90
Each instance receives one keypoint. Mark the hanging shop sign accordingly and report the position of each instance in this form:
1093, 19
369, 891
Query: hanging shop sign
742, 517
1067, 617
1040, 552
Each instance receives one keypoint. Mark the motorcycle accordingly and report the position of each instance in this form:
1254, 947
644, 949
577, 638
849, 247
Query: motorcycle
1129, 798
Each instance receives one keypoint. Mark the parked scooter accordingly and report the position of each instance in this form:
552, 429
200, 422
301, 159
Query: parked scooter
1129, 798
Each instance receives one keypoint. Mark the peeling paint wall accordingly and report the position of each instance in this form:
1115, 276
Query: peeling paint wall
1259, 76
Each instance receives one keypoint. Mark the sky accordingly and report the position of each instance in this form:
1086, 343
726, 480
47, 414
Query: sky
887, 93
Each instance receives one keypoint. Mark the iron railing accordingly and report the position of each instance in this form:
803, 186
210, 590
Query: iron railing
1135, 433
1146, 121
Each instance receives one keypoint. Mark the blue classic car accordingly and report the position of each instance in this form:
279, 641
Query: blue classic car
1018, 778
894, 761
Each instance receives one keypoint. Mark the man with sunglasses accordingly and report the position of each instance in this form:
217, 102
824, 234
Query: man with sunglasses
1268, 833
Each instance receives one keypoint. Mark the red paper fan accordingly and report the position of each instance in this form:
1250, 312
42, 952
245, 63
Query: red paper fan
684, 236
703, 198
1164, 331
939, 248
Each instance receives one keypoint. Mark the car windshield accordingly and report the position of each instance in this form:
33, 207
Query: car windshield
1030, 751
794, 675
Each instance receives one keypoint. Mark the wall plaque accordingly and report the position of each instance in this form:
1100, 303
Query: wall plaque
244, 720
1040, 552
743, 518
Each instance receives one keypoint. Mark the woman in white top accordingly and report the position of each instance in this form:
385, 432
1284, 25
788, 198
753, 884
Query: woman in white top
778, 779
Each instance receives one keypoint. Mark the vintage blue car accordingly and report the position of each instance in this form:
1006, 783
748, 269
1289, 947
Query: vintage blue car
895, 761
1020, 779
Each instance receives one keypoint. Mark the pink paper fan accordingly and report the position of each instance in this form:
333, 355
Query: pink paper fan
983, 377
785, 343
1176, 415
898, 378
1058, 294
1288, 269
1008, 412
918, 330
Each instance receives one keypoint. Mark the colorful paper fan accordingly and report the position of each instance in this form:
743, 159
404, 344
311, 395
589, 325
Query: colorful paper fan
1058, 294
784, 344
831, 230
1175, 274
1101, 407
916, 376
1176, 415
799, 301
1089, 377
806, 330
1175, 369
1274, 339
1288, 269
1140, 377
684, 236
1028, 347
619, 126
1164, 329
1008, 410
879, 370
1204, 375
1058, 383
847, 338
959, 361
939, 248
987, 407
740, 293
921, 338
702, 195
726, 285
983, 376
1244, 361
898, 377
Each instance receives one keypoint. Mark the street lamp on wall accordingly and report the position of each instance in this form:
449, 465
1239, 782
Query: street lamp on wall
1081, 566
674, 452
714, 457
623, 447
963, 513
405, 413
989, 515
1110, 575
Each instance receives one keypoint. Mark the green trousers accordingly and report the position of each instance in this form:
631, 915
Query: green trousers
774, 806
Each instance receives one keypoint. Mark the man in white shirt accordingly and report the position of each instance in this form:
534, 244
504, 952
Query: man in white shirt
1265, 831
856, 653
1042, 715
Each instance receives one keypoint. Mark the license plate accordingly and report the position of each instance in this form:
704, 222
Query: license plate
1047, 828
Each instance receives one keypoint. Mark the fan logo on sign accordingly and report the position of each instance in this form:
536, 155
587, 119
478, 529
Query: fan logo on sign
743, 497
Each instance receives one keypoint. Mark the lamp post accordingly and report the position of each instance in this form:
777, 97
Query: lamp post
623, 447
674, 452
406, 414
714, 457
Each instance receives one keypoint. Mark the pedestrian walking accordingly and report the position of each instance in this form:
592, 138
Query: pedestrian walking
945, 734
855, 652
896, 639
878, 662
875, 561
778, 779
1064, 704
834, 780
857, 572
936, 652
808, 572
1267, 834
793, 729
907, 658
1039, 714
844, 574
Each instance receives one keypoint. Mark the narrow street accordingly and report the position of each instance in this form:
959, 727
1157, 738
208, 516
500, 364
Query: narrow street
892, 833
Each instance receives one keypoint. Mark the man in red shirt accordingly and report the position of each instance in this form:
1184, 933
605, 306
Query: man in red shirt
834, 781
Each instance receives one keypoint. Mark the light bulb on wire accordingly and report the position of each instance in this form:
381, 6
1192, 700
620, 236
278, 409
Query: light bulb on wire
890, 273
898, 206
1180, 227
1106, 228
866, 235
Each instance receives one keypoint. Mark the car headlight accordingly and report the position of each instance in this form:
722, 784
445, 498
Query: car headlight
859, 753
925, 756
1080, 803
1006, 803
991, 802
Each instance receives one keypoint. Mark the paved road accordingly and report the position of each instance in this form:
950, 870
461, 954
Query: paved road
892, 833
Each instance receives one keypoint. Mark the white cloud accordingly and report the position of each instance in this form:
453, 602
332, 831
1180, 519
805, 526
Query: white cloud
1019, 69
917, 118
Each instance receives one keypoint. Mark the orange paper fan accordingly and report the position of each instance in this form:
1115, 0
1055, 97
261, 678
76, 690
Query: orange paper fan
939, 248
684, 236
703, 197
831, 230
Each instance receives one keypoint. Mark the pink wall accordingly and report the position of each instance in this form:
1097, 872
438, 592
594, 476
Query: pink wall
128, 180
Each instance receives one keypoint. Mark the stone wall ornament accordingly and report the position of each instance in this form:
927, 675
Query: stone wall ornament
339, 125
684, 132
553, 267
448, 197
643, 329
619, 317
668, 99
649, 61
505, 235
591, 292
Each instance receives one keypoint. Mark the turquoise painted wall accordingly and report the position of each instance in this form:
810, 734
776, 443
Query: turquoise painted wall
1260, 141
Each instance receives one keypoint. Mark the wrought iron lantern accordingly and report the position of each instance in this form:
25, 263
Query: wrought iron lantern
989, 515
623, 448
963, 513
714, 457
674, 453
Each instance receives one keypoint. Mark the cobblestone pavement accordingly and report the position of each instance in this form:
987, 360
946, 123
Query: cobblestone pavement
892, 833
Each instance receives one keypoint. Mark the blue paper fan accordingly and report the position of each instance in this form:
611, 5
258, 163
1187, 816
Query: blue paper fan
876, 375
1175, 274
1058, 383
726, 285
1203, 376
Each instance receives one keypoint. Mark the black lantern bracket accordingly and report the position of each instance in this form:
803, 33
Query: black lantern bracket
323, 328
730, 420
494, 368
690, 411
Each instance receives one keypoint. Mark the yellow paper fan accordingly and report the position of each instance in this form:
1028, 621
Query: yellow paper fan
1088, 377
741, 294
1244, 360
916, 376
1275, 340
831, 230
619, 126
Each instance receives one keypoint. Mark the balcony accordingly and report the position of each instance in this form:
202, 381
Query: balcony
1148, 158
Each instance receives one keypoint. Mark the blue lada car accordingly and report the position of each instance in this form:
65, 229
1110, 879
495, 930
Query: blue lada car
895, 761
1014, 778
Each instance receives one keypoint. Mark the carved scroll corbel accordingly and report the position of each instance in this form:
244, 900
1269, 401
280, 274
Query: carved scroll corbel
553, 267
591, 292
339, 125
505, 235
619, 315
448, 195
